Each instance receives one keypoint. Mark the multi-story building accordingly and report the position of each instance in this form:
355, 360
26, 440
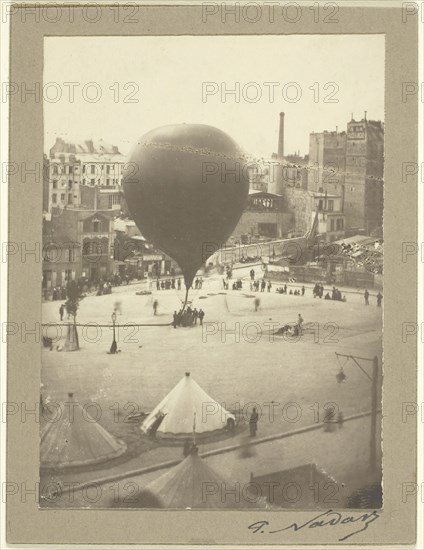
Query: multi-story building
330, 217
102, 198
78, 243
62, 179
327, 157
364, 189
102, 163
73, 169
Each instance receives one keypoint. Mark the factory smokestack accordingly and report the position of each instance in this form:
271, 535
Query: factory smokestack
281, 137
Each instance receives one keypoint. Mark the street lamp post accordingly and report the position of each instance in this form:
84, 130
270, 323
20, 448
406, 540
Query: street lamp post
114, 346
374, 403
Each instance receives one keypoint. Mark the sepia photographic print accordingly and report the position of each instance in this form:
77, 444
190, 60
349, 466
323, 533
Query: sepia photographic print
213, 273
212, 277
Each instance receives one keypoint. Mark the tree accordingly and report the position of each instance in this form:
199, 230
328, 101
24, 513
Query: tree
124, 247
73, 295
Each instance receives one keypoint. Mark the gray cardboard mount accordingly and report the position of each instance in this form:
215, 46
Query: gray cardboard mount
25, 522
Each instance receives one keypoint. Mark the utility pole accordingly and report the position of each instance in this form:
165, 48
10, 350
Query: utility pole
374, 403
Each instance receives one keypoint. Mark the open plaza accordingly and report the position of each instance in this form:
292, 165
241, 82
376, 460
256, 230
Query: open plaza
238, 360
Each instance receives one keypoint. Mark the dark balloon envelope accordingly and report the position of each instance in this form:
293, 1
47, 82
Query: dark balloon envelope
186, 187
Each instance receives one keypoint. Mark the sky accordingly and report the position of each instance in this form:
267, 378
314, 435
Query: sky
145, 82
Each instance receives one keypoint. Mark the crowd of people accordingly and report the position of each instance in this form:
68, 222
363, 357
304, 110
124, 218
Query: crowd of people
188, 317
167, 284
176, 283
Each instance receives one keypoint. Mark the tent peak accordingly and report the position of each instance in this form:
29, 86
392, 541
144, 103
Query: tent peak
187, 374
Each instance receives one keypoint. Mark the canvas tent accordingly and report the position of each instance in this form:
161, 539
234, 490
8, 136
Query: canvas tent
186, 409
193, 484
294, 488
71, 437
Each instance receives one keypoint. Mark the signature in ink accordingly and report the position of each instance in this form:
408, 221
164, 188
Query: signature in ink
330, 518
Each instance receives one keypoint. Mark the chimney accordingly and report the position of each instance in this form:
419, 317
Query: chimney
365, 115
281, 137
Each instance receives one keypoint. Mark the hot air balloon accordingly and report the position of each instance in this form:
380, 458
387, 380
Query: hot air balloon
186, 187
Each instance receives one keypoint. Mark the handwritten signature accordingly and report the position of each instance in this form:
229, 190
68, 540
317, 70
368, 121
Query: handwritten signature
326, 519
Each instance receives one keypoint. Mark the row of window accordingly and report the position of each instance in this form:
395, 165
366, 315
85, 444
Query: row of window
109, 181
63, 198
330, 205
64, 169
70, 184
89, 168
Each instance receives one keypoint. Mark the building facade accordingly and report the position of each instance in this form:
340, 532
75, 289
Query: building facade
102, 163
327, 160
364, 188
75, 168
264, 217
78, 243
61, 183
330, 217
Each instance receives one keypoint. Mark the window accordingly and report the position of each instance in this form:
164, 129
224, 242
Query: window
330, 205
70, 169
108, 182
62, 197
55, 169
70, 198
108, 169
320, 205
96, 226
54, 198
92, 181
339, 224
93, 168
70, 184
54, 184
71, 254
332, 224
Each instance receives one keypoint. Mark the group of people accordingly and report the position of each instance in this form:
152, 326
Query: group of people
318, 290
198, 283
104, 288
260, 285
237, 285
167, 284
295, 292
367, 298
188, 317
59, 293
335, 295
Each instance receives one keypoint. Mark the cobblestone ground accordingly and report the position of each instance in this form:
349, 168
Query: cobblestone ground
234, 357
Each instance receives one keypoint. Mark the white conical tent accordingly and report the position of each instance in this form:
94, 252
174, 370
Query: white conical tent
193, 484
185, 407
76, 439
